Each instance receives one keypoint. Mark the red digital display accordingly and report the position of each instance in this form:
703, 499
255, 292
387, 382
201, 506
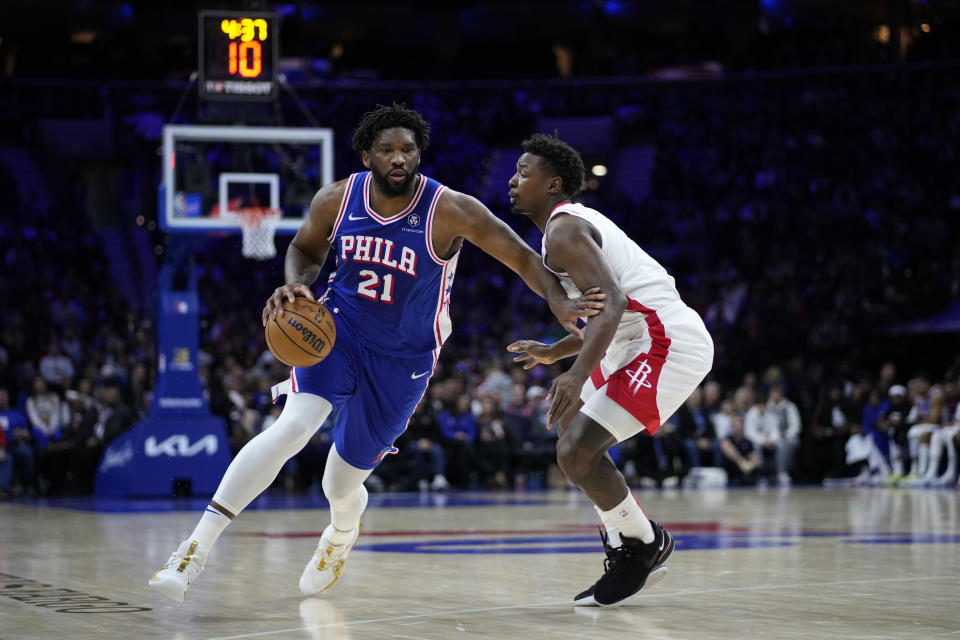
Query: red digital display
238, 55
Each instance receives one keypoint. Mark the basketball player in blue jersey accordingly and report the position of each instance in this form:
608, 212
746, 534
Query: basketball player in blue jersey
637, 361
396, 236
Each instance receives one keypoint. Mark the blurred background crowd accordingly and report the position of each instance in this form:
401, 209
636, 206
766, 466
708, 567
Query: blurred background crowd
810, 213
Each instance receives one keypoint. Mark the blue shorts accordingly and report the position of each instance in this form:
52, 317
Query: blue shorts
374, 394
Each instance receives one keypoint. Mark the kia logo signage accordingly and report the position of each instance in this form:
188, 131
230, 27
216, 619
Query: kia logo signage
179, 446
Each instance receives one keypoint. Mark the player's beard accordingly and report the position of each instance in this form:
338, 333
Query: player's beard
388, 188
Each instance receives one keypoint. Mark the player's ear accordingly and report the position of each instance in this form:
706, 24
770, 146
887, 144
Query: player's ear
365, 158
555, 185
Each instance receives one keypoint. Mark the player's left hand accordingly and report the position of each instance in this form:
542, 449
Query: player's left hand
565, 396
569, 310
532, 353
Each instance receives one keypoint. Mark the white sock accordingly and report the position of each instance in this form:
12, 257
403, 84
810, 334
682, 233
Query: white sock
951, 455
896, 458
210, 527
933, 464
343, 486
923, 459
613, 534
630, 520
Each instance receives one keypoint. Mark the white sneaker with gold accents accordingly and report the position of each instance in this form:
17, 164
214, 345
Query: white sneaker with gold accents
327, 563
183, 567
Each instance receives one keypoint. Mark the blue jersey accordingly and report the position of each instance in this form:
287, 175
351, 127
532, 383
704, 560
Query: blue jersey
390, 286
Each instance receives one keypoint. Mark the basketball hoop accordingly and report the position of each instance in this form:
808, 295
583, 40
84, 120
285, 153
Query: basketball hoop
259, 224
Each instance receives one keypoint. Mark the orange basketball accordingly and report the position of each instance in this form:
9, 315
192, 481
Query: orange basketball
303, 335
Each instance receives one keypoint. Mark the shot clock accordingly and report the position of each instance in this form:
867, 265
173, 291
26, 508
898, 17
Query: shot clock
238, 55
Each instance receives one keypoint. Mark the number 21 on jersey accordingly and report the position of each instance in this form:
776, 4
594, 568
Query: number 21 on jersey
370, 286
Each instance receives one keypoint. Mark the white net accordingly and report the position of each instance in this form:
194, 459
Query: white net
259, 225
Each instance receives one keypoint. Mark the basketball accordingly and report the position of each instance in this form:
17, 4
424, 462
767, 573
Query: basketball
303, 335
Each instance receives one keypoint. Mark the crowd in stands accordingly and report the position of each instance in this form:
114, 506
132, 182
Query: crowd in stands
76, 365
802, 217
490, 428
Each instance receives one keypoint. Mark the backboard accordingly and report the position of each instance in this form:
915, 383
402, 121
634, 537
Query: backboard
211, 171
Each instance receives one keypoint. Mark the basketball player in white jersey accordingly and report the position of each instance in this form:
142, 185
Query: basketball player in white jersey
637, 362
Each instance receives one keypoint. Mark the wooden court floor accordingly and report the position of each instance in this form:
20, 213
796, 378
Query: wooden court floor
793, 563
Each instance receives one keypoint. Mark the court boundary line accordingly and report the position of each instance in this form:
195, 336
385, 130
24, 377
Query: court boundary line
569, 603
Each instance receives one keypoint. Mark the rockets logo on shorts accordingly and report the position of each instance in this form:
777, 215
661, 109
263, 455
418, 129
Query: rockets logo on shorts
638, 377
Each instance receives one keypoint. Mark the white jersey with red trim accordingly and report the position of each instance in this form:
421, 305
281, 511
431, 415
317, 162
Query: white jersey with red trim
661, 350
642, 279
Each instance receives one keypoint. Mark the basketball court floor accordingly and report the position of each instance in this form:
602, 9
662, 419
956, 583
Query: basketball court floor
793, 563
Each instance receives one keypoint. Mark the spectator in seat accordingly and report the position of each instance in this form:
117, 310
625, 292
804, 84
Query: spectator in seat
877, 404
942, 441
114, 418
19, 445
537, 446
740, 459
55, 367
722, 420
459, 429
926, 417
712, 397
774, 428
6, 467
892, 422
57, 460
494, 443
834, 421
46, 411
658, 459
696, 430
864, 464
425, 464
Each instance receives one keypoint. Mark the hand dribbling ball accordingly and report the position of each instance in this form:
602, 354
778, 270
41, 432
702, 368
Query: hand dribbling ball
303, 335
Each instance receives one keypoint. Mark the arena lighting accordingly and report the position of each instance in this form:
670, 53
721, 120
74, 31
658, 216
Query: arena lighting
599, 170
882, 34
83, 37
925, 27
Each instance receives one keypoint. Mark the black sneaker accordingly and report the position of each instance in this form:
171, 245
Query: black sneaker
628, 568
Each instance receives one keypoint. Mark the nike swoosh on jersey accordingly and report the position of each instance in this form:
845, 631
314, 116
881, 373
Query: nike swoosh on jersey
414, 376
350, 217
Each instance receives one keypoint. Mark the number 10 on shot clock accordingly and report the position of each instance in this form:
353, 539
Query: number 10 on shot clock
238, 55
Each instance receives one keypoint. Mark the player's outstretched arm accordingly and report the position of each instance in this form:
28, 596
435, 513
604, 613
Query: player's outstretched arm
464, 216
533, 353
573, 247
307, 251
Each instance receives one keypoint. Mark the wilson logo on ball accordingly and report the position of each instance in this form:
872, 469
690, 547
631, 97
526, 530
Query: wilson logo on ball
306, 335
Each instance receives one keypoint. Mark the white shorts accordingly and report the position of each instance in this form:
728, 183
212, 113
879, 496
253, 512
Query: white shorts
653, 364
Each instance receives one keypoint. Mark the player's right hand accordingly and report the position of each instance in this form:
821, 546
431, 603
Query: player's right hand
532, 353
288, 292
570, 310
